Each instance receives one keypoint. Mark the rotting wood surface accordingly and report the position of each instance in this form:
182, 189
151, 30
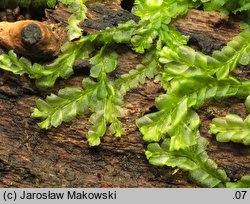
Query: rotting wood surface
29, 38
31, 157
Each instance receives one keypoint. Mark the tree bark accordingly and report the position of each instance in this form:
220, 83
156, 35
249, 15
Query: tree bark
31, 157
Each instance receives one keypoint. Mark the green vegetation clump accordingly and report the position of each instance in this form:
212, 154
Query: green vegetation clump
189, 78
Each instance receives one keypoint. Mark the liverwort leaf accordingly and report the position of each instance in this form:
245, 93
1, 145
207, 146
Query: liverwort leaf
244, 182
193, 159
231, 128
61, 108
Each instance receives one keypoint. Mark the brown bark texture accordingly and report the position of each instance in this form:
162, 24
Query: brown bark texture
60, 157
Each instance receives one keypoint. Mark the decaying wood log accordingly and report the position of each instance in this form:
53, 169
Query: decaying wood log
29, 38
31, 157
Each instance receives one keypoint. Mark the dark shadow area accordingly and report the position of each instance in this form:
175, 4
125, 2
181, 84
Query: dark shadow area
127, 4
17, 14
